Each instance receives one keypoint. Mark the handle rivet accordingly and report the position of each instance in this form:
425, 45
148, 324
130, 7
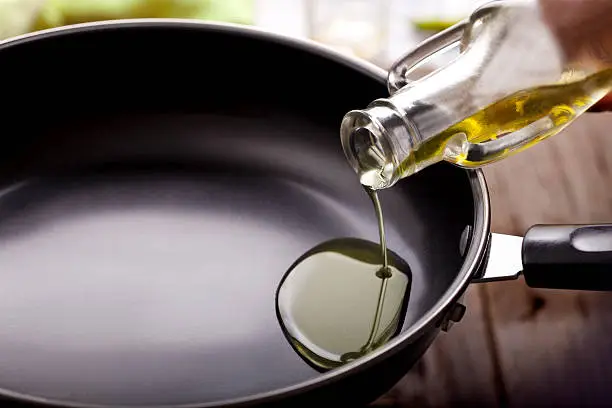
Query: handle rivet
454, 316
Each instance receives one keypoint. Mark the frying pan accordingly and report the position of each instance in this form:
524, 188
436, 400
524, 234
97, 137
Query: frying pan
158, 178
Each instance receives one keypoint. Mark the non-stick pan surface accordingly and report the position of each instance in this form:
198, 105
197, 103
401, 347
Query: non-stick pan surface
157, 182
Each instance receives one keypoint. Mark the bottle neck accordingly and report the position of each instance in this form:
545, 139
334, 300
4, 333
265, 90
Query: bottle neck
381, 141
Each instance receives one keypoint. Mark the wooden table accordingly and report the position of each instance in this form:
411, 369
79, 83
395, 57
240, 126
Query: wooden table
520, 347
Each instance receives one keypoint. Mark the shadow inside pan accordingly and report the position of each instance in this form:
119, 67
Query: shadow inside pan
141, 246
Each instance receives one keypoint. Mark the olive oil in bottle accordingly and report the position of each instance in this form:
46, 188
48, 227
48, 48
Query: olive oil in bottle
343, 298
495, 132
543, 111
515, 82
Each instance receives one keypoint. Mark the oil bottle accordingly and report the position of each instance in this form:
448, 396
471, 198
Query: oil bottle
513, 84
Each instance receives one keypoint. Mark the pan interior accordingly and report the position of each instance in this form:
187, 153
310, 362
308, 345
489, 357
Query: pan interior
157, 182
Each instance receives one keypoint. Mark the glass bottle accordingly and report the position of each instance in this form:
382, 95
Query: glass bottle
513, 84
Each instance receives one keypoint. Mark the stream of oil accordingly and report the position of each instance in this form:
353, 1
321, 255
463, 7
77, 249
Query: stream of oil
343, 298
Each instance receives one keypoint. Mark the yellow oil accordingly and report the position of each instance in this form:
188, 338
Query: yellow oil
560, 103
334, 305
344, 298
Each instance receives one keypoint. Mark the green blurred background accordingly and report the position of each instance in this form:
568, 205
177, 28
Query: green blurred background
375, 30
22, 16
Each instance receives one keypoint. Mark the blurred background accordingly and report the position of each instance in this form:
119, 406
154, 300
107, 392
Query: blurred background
377, 30
516, 347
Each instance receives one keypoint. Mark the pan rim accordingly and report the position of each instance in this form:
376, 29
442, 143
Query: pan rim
473, 257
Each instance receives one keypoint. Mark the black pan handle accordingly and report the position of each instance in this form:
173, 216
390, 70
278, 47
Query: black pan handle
577, 257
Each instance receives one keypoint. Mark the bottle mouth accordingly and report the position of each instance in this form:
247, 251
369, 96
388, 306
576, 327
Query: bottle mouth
368, 150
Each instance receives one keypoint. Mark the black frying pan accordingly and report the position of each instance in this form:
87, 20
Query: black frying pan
158, 178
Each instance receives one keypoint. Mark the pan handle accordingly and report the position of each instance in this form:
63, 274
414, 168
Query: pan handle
575, 257
568, 257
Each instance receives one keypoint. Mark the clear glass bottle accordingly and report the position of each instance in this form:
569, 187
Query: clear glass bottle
512, 85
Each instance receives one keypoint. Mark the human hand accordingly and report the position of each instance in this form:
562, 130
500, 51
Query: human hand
584, 31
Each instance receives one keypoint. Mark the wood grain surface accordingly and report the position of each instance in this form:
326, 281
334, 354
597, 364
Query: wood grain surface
521, 347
